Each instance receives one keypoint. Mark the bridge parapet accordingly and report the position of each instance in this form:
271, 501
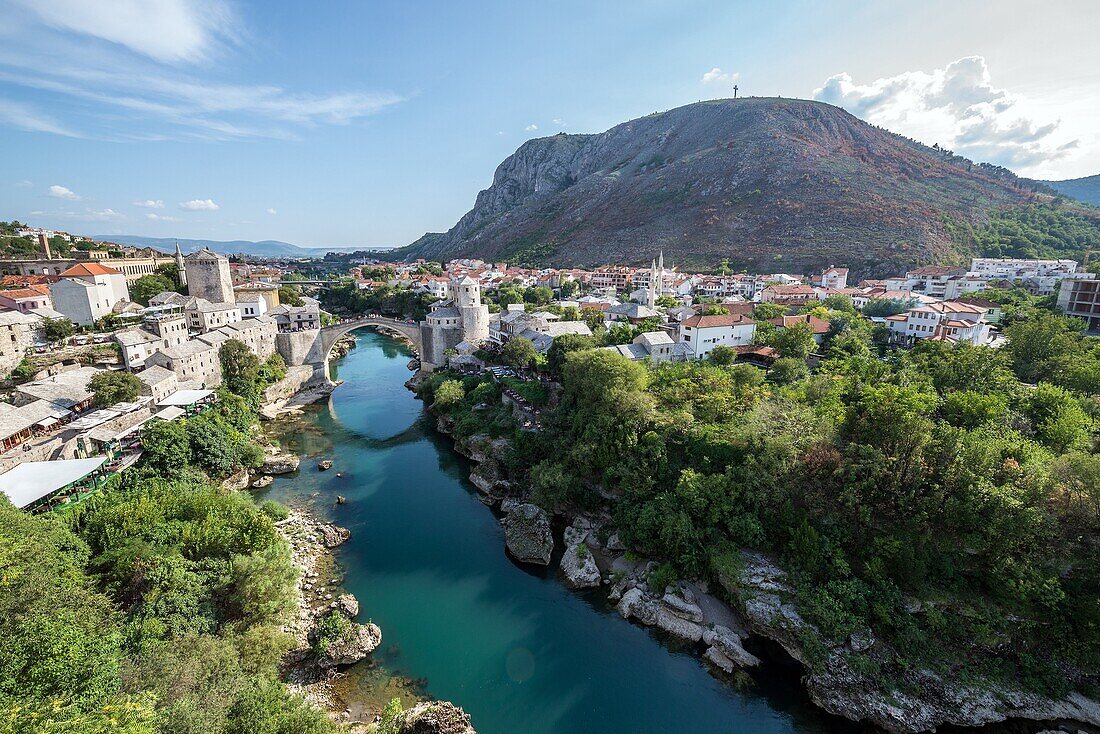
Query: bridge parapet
329, 335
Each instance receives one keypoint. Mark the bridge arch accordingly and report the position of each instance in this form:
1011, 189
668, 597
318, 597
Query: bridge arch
331, 334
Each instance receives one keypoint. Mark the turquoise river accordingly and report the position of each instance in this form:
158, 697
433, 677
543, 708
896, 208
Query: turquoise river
513, 646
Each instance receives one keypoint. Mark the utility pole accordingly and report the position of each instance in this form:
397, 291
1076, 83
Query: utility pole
735, 91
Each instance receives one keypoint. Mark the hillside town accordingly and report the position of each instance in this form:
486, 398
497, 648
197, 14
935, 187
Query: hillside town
67, 320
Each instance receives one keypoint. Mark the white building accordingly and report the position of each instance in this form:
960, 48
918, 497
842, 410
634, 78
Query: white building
87, 292
251, 305
833, 278
704, 333
204, 316
656, 346
951, 321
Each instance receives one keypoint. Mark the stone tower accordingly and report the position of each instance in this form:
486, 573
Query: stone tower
475, 314
181, 269
208, 276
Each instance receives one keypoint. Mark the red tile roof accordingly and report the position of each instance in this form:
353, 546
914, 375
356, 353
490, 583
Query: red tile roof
85, 269
820, 326
726, 319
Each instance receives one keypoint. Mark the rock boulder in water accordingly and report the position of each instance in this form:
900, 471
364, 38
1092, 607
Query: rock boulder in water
527, 534
434, 717
354, 644
280, 464
579, 567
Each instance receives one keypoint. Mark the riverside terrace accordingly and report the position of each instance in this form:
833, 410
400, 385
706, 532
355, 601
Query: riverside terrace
40, 485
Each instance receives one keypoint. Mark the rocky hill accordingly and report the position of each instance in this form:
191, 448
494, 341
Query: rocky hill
1085, 189
766, 183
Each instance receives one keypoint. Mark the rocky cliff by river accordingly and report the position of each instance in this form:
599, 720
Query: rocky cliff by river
725, 622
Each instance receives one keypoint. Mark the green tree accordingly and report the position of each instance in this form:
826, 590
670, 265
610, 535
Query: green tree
723, 355
165, 446
787, 370
147, 286
111, 387
449, 393
240, 370
564, 345
519, 352
539, 296
57, 330
795, 341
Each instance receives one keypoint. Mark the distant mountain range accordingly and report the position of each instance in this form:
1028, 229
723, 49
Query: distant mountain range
769, 184
264, 248
1083, 189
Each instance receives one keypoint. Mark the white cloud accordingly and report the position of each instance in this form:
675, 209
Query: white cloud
531, 128
161, 218
30, 118
166, 30
559, 121
957, 107
272, 212
717, 76
199, 205
94, 215
150, 204
60, 192
24, 184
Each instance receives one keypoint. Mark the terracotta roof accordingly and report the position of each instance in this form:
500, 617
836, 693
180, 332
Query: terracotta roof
726, 319
89, 269
24, 293
820, 326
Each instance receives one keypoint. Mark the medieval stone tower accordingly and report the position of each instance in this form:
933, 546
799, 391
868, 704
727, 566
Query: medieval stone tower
460, 318
208, 276
475, 314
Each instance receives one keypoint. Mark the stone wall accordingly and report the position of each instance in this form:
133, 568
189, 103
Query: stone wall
295, 346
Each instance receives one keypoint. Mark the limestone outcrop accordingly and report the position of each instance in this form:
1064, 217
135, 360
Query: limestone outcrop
434, 717
578, 567
527, 534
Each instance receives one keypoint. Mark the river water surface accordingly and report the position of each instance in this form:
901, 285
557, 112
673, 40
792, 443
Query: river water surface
515, 648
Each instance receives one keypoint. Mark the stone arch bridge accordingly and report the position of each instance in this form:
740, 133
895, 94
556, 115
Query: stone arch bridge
320, 350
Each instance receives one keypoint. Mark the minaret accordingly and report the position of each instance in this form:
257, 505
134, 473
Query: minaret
651, 296
181, 270
660, 273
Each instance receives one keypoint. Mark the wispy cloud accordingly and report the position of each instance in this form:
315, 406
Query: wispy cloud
61, 192
531, 128
956, 106
161, 218
150, 204
133, 70
28, 117
272, 212
169, 31
93, 215
199, 205
24, 184
717, 76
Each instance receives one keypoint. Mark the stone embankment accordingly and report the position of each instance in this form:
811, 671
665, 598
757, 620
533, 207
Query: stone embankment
758, 601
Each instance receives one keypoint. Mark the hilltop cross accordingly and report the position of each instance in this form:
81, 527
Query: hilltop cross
735, 91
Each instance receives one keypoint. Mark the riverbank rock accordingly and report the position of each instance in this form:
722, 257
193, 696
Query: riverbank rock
489, 480
578, 567
324, 464
527, 534
333, 535
355, 643
280, 464
728, 643
347, 605
434, 717
238, 480
651, 611
262, 481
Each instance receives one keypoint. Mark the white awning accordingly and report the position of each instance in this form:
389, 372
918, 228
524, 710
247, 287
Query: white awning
30, 481
185, 397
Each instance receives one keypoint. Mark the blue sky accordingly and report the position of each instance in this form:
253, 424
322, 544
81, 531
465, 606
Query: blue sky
369, 123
